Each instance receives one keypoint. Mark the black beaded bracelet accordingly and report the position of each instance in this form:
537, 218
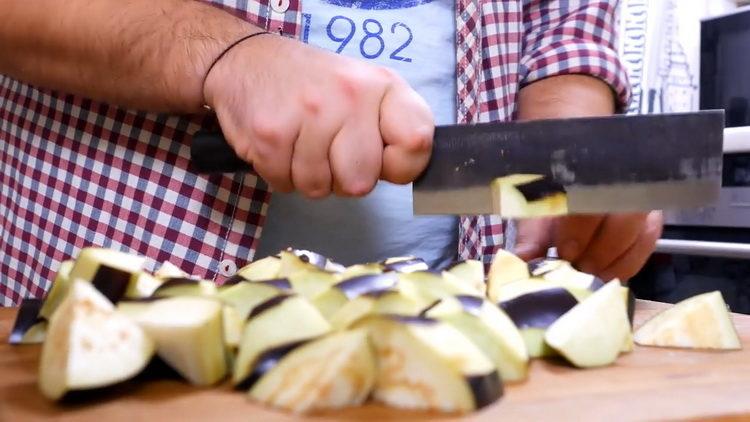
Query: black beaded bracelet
226, 50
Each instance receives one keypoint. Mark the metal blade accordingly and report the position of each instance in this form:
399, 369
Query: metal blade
605, 164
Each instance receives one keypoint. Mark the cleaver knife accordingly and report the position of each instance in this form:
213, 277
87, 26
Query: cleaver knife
554, 167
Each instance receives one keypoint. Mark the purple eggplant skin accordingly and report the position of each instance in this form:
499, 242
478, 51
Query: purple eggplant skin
406, 266
412, 319
235, 279
357, 286
631, 307
471, 304
111, 282
268, 304
486, 389
279, 283
536, 265
596, 284
538, 309
267, 361
540, 189
27, 316
310, 257
175, 282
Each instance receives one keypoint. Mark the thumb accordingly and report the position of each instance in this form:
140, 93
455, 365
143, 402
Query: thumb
533, 238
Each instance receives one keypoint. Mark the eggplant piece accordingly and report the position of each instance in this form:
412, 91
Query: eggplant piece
335, 371
232, 323
559, 271
405, 264
294, 260
528, 195
505, 268
427, 287
59, 289
470, 272
312, 282
29, 327
244, 296
359, 270
185, 287
280, 321
335, 297
267, 268
488, 328
595, 331
142, 285
189, 336
427, 364
109, 270
374, 303
532, 312
699, 322
90, 345
169, 270
539, 309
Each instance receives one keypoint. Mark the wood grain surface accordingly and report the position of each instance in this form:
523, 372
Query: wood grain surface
647, 384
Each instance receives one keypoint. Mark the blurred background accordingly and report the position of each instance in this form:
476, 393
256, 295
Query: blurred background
686, 55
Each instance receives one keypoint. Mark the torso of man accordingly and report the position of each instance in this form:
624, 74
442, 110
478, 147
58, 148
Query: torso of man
415, 38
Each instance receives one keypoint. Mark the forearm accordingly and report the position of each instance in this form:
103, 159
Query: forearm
146, 54
565, 96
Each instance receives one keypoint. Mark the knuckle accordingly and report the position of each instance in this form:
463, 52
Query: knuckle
269, 131
357, 187
419, 138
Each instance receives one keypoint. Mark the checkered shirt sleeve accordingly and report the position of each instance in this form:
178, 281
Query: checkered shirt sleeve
573, 37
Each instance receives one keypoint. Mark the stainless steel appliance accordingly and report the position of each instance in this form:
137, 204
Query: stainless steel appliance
709, 248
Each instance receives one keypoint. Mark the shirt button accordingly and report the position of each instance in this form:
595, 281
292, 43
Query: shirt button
227, 268
280, 6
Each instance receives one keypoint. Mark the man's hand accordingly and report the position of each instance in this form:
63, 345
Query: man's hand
316, 122
609, 246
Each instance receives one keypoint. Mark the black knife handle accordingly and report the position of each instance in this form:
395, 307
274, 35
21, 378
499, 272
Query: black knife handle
210, 153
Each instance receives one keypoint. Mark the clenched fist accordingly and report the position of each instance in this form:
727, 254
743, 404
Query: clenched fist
315, 122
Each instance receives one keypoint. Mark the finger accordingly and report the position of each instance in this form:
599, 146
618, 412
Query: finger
272, 138
573, 234
630, 262
311, 171
533, 238
407, 127
615, 236
356, 154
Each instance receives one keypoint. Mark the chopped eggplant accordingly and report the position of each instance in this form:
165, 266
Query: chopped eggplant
244, 296
488, 328
429, 365
375, 303
699, 322
593, 332
559, 271
312, 282
427, 287
280, 321
90, 345
528, 195
267, 268
110, 271
59, 289
29, 327
405, 264
336, 296
185, 287
233, 323
189, 336
294, 260
470, 272
335, 371
506, 268
169, 270
142, 285
360, 269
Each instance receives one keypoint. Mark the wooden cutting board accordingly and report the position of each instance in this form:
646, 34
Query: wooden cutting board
647, 384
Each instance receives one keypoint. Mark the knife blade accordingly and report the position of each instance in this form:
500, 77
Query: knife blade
574, 166
553, 167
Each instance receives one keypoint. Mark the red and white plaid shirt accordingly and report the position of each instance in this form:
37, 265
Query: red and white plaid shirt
75, 172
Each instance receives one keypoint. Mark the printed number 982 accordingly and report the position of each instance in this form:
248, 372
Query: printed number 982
372, 44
